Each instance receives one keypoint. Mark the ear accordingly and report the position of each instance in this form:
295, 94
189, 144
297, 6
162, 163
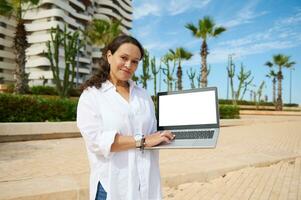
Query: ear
109, 56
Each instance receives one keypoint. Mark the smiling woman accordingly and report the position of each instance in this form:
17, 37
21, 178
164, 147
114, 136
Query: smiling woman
117, 120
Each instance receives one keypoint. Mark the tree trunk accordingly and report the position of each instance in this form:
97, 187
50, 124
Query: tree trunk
204, 53
274, 90
179, 75
279, 98
20, 45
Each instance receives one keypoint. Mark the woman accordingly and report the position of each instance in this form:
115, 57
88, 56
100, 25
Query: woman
117, 120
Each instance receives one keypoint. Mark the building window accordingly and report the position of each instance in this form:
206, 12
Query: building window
2, 35
1, 47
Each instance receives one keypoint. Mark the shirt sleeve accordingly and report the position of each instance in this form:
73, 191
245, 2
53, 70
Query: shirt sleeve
89, 122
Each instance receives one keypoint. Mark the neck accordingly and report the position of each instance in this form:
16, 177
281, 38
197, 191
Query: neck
119, 83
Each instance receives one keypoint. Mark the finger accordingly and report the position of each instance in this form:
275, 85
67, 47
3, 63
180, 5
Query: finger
165, 139
169, 135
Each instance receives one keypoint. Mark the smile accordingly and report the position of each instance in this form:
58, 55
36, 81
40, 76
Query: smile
127, 71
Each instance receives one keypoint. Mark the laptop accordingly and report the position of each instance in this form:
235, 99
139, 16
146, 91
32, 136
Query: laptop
192, 115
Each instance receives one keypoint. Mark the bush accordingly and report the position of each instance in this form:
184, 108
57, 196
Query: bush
22, 108
10, 88
228, 112
43, 90
291, 105
244, 102
75, 92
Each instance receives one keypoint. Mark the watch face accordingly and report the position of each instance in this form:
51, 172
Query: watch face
138, 137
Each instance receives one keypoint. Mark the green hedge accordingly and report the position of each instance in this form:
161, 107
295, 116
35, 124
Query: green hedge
31, 108
23, 108
262, 103
43, 90
228, 111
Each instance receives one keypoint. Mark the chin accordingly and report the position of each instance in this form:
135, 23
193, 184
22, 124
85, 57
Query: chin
125, 77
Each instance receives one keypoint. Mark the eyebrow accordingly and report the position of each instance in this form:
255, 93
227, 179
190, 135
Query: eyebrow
129, 56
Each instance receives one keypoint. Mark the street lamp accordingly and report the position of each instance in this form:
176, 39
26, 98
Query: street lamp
291, 79
229, 65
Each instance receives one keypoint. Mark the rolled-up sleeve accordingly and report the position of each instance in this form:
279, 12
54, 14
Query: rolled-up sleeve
89, 122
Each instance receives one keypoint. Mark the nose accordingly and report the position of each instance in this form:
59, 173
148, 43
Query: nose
127, 64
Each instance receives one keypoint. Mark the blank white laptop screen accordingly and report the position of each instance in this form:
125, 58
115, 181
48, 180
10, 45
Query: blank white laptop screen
193, 108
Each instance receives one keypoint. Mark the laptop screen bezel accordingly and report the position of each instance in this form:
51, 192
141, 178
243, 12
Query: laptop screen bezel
214, 125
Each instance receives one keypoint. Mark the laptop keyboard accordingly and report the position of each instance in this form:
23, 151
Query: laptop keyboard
195, 134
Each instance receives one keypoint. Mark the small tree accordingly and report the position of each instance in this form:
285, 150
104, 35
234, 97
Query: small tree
167, 72
155, 71
145, 76
135, 78
17, 8
178, 55
191, 76
101, 32
204, 29
273, 75
69, 41
281, 61
243, 83
260, 91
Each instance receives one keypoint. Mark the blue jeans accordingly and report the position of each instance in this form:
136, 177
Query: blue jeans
101, 194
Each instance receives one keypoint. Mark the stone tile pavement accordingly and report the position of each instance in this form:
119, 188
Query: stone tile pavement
257, 159
278, 181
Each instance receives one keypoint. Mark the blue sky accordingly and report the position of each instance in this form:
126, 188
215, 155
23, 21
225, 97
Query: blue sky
256, 30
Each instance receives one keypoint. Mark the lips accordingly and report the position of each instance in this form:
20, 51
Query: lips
126, 71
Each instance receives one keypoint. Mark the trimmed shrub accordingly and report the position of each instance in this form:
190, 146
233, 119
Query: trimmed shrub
43, 90
244, 102
30, 108
228, 112
291, 105
22, 108
75, 92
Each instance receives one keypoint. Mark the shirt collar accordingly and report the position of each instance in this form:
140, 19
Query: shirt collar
108, 85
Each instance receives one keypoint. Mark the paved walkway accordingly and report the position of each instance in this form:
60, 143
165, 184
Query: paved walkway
259, 158
278, 181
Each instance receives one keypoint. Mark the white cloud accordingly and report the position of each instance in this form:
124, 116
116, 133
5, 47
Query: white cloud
171, 7
282, 35
293, 20
176, 7
147, 9
245, 15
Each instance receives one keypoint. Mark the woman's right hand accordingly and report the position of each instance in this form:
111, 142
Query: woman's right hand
158, 137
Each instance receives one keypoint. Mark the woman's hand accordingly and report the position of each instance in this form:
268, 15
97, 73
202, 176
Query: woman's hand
158, 137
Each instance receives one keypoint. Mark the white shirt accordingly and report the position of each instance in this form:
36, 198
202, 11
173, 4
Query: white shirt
101, 114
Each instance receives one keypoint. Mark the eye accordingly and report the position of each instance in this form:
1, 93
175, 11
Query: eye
135, 62
124, 58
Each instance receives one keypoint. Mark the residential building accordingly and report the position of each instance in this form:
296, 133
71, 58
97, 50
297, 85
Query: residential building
7, 55
75, 14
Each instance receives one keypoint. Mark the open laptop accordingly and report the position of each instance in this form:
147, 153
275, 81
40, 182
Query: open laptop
192, 115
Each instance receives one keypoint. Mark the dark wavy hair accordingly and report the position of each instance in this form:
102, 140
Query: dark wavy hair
103, 72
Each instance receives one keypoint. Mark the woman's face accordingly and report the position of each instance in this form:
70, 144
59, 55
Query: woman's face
124, 62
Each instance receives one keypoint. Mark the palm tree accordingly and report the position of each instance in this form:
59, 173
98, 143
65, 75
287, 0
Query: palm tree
206, 28
272, 74
16, 9
281, 61
179, 55
102, 32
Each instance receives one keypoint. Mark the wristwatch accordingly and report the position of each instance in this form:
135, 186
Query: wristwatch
140, 141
